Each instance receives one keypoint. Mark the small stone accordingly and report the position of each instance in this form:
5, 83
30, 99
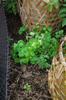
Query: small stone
24, 68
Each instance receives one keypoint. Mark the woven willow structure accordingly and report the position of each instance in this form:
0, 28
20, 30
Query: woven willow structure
57, 76
36, 11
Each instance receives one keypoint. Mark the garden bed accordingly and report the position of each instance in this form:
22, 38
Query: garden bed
25, 74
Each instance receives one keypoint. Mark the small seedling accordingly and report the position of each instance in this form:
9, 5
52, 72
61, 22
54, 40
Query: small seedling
27, 88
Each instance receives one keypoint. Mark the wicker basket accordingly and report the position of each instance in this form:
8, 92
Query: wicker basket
57, 76
36, 11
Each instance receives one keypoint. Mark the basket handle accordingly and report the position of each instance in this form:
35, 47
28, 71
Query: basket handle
62, 59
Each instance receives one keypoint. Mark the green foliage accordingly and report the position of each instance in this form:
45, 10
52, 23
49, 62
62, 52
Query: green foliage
27, 88
62, 13
22, 30
48, 49
25, 51
15, 50
53, 4
42, 61
11, 6
59, 34
39, 49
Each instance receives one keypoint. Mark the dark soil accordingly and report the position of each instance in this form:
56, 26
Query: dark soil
20, 75
14, 24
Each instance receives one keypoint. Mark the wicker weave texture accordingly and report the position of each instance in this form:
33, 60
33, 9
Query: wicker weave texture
36, 11
57, 76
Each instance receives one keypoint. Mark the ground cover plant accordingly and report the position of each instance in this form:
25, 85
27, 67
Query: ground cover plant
39, 48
